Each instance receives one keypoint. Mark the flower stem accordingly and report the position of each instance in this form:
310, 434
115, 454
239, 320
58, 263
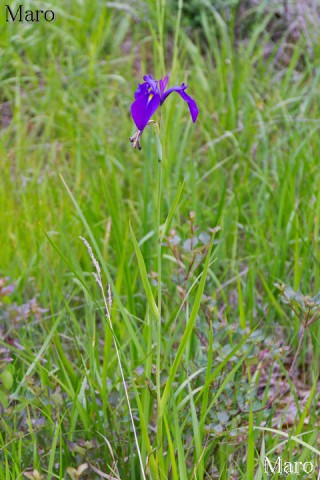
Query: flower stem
159, 254
159, 278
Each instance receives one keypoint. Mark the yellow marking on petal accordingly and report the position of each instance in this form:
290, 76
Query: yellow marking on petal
150, 97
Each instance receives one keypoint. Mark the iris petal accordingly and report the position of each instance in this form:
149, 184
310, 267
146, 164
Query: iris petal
143, 108
141, 90
189, 100
162, 85
173, 89
194, 111
152, 82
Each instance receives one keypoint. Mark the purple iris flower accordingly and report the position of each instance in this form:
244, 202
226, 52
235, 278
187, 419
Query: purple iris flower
151, 94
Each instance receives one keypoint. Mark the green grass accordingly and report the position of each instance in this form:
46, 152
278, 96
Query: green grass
198, 349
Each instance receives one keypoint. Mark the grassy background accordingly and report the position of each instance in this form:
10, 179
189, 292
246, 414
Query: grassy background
249, 165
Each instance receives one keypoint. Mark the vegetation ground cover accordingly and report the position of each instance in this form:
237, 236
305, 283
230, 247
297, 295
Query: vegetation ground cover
214, 394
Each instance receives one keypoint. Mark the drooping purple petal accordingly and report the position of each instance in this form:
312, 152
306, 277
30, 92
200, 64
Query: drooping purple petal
173, 89
189, 100
194, 111
143, 108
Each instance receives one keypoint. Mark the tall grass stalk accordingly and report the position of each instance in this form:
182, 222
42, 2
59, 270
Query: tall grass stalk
108, 304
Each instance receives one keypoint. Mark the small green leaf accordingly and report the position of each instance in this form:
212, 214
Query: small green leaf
3, 399
57, 399
6, 379
189, 244
204, 238
289, 293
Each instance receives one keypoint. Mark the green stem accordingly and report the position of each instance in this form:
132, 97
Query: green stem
159, 235
159, 189
159, 259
